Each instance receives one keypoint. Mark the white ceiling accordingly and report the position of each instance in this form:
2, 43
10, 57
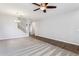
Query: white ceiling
27, 9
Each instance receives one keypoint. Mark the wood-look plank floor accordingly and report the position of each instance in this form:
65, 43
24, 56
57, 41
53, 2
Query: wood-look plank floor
31, 47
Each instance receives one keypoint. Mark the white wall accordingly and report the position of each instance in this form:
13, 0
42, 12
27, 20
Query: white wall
63, 27
8, 28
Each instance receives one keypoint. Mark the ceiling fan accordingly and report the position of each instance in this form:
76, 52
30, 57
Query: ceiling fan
43, 7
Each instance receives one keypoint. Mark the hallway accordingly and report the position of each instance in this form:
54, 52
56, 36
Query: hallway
30, 47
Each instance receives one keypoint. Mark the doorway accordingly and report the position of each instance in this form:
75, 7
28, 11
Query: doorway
32, 28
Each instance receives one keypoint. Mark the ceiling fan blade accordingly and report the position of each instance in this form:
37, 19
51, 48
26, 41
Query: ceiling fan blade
36, 4
44, 11
46, 4
36, 9
51, 7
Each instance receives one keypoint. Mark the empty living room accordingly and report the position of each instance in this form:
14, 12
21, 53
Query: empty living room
39, 29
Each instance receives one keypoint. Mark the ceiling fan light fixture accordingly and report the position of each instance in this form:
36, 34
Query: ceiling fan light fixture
42, 8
